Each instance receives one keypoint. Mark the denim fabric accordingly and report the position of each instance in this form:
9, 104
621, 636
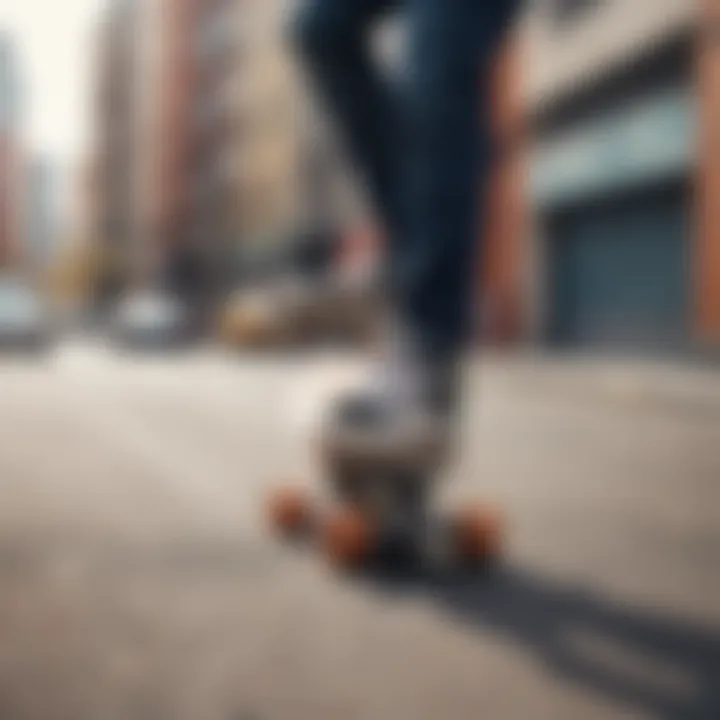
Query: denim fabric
422, 147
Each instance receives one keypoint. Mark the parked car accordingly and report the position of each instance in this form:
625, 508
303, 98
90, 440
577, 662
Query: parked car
25, 320
151, 319
297, 295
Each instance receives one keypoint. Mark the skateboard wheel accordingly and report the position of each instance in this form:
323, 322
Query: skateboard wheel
477, 534
290, 510
348, 538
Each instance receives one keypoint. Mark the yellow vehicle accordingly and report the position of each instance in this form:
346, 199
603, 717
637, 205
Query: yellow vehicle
297, 303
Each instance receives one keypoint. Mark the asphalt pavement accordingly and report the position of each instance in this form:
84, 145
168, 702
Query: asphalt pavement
139, 582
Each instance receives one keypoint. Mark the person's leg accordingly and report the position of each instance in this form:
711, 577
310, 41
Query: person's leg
425, 177
333, 37
451, 49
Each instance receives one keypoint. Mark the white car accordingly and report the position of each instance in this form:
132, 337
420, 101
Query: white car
24, 318
150, 319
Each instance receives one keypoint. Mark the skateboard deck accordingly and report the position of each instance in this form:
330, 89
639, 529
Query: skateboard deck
378, 503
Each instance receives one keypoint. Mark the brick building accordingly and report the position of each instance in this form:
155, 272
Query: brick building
197, 138
141, 159
613, 239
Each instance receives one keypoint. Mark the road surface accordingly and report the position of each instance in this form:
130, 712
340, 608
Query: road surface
137, 581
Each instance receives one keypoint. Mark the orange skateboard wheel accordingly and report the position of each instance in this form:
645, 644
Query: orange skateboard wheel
348, 538
290, 510
478, 533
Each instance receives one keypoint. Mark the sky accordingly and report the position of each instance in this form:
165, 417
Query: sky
54, 40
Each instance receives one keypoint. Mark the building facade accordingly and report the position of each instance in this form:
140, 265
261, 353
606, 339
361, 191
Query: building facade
11, 156
213, 162
269, 106
41, 215
707, 259
111, 187
197, 136
142, 143
616, 118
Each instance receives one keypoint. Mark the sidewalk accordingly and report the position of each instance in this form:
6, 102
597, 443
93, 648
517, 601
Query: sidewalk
643, 383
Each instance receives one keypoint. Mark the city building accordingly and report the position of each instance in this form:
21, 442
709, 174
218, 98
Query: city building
261, 169
11, 155
41, 214
214, 159
707, 260
196, 138
613, 112
111, 187
269, 105
164, 100
142, 150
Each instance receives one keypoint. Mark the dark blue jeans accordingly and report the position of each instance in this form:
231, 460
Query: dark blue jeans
422, 145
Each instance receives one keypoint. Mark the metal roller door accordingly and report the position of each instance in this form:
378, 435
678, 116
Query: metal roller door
619, 272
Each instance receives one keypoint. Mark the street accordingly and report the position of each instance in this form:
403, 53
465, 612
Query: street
138, 581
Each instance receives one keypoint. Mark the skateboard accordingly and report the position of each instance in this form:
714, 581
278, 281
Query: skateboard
378, 511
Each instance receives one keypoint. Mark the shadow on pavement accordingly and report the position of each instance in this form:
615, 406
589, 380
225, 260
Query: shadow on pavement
663, 667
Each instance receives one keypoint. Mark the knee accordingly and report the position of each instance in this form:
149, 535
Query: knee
320, 30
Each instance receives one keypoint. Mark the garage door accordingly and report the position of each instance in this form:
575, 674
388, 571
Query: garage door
619, 272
